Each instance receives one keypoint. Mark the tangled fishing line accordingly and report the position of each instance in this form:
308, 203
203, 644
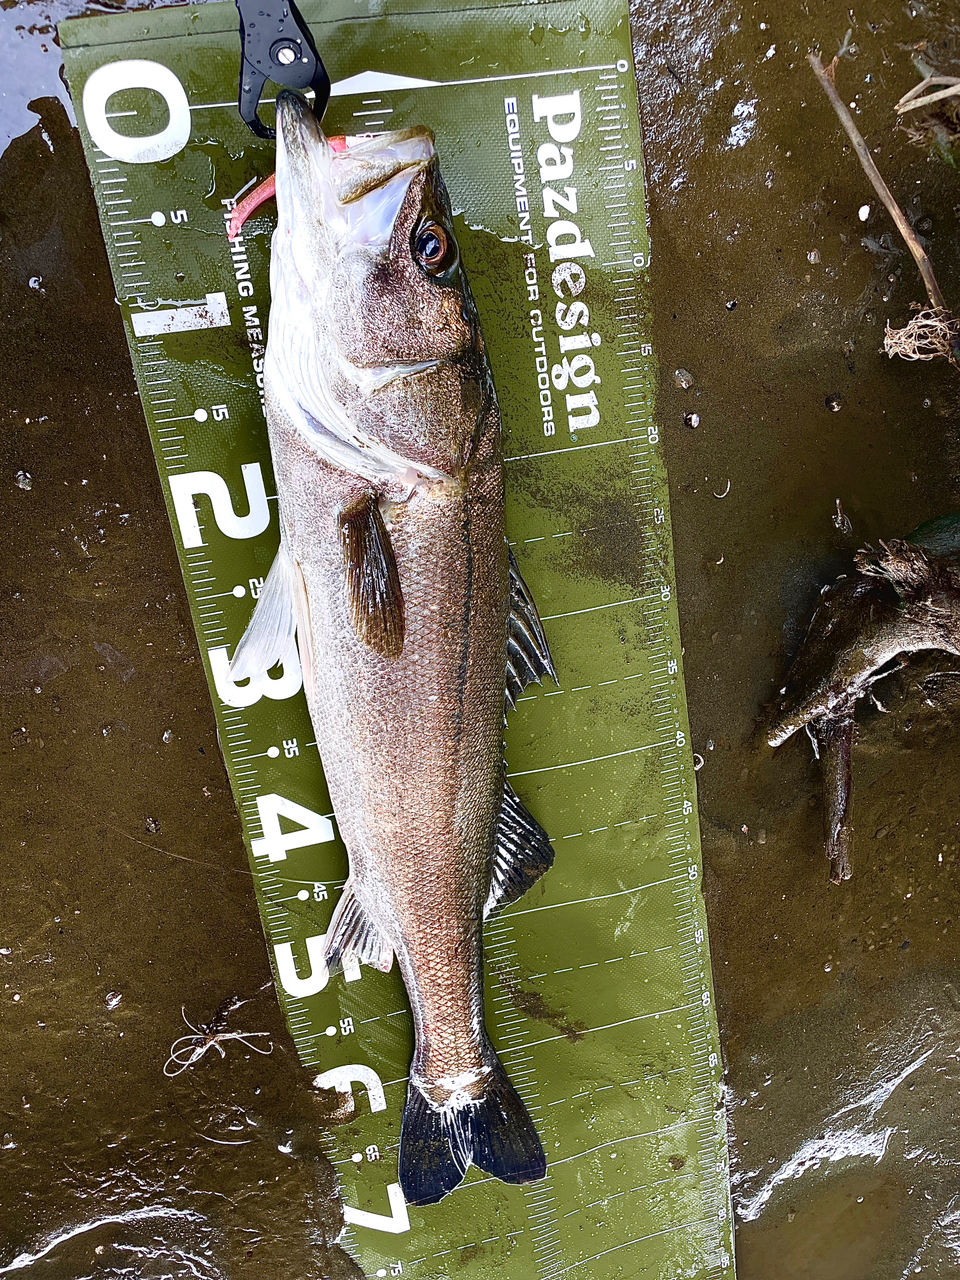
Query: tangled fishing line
189, 1049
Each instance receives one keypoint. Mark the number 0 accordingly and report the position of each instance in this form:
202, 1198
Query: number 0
136, 73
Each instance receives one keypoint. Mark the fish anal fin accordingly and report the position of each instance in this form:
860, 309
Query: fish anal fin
522, 855
528, 654
353, 933
273, 625
374, 596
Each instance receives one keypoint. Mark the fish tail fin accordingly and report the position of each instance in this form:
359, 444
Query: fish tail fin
438, 1142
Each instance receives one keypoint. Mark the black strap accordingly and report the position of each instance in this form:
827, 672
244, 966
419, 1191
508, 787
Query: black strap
277, 46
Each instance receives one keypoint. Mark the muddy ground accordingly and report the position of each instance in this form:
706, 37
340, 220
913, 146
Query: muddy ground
839, 1007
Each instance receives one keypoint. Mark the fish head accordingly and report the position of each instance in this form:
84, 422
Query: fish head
367, 284
369, 231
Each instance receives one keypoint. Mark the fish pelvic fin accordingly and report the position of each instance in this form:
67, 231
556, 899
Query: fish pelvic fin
374, 596
273, 625
523, 853
353, 933
493, 1130
282, 614
528, 654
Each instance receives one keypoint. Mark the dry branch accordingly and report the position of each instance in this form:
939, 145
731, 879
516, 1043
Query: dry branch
935, 331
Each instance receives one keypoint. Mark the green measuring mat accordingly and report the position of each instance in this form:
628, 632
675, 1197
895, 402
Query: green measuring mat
599, 995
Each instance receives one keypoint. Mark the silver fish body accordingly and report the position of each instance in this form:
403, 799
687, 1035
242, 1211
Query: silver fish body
410, 619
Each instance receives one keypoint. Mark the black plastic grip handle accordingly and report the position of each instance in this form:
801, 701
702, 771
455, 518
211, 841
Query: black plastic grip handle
277, 45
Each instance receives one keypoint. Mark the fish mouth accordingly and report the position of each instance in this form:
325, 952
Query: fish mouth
356, 192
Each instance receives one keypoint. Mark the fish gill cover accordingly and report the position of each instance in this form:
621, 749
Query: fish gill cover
598, 992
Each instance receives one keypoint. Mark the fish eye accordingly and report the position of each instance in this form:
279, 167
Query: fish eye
434, 248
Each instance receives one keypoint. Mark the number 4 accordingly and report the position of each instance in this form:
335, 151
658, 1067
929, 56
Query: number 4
275, 842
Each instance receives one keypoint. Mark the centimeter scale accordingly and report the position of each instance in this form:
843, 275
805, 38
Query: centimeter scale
599, 992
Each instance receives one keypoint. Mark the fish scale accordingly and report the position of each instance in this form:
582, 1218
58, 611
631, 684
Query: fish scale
599, 997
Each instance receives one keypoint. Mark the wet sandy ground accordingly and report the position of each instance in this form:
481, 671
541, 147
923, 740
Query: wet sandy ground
839, 1007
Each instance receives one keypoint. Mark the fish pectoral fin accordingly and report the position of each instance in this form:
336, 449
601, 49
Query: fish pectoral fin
523, 853
353, 933
528, 654
270, 633
374, 597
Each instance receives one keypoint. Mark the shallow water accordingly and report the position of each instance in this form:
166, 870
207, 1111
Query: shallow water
839, 1007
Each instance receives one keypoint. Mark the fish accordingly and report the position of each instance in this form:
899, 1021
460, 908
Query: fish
415, 630
903, 598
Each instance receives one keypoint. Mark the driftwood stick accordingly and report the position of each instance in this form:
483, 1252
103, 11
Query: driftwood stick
834, 740
915, 104
825, 76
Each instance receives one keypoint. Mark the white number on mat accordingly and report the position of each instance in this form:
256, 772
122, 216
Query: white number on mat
260, 686
136, 73
183, 490
275, 842
319, 974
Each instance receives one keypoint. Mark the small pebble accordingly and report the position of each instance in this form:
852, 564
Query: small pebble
683, 379
168, 735
863, 213
152, 826
113, 998
813, 256
24, 480
731, 305
834, 402
691, 420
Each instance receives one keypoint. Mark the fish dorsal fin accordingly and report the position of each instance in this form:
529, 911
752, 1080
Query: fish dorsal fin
272, 627
281, 613
528, 654
374, 597
353, 933
523, 853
